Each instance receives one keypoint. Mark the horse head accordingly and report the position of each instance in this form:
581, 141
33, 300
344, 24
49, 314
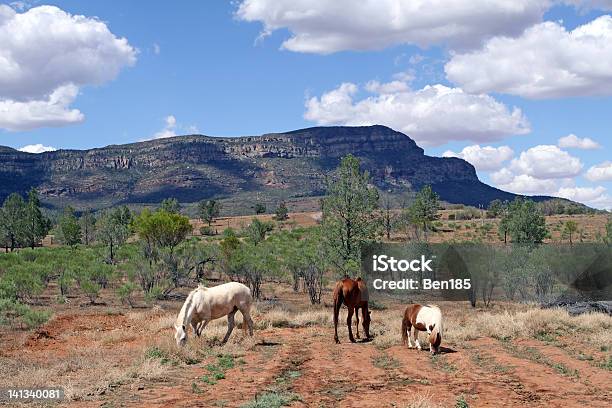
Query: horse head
180, 334
434, 338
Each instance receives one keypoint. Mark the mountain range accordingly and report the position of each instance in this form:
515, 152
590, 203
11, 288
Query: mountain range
275, 166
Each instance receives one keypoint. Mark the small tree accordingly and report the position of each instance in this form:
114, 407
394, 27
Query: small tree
349, 220
36, 225
424, 209
260, 208
111, 230
12, 221
526, 224
209, 210
257, 230
88, 226
69, 228
388, 218
281, 212
162, 229
171, 205
570, 229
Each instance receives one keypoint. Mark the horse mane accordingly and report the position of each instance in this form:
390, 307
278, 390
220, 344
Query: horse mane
184, 313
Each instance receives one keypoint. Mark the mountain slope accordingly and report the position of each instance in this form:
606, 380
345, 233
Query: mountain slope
195, 167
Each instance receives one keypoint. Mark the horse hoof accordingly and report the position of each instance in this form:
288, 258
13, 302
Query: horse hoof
337, 341
353, 341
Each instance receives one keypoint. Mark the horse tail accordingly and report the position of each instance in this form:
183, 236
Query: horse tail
405, 328
338, 300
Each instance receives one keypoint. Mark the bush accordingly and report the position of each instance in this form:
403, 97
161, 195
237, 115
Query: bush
34, 318
207, 231
155, 293
91, 289
126, 293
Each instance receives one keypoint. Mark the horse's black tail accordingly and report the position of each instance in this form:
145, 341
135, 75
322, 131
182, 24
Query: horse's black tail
405, 327
338, 300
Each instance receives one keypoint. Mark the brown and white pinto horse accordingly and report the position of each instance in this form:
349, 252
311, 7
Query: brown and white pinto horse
354, 294
423, 318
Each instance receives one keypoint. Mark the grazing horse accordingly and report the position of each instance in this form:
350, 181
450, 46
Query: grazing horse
349, 292
423, 318
206, 304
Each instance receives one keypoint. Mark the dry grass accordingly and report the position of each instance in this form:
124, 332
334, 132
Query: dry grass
423, 400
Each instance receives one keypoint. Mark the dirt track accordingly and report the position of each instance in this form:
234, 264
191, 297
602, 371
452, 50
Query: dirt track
304, 362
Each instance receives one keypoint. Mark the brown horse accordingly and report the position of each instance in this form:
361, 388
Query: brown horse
354, 294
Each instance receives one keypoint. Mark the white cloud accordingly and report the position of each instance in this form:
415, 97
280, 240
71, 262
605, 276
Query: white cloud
156, 49
323, 27
581, 194
573, 141
525, 184
168, 130
37, 148
433, 115
388, 87
546, 162
600, 172
591, 196
484, 158
546, 61
46, 52
51, 112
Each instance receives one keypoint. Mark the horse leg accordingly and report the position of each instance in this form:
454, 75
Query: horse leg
247, 321
416, 337
365, 314
357, 324
349, 320
201, 327
337, 305
230, 325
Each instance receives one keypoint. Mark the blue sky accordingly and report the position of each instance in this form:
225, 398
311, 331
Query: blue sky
250, 67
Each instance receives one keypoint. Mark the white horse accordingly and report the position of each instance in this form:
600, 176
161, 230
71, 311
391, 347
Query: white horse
423, 318
206, 304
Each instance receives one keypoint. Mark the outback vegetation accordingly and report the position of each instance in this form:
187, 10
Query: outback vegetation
124, 272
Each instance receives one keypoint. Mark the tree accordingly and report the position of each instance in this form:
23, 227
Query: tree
608, 237
388, 218
260, 208
282, 212
68, 228
36, 225
496, 208
209, 210
424, 209
257, 230
162, 229
12, 219
349, 220
88, 226
111, 230
570, 229
171, 205
525, 222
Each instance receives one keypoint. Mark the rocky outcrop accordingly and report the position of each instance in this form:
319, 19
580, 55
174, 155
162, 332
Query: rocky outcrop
195, 167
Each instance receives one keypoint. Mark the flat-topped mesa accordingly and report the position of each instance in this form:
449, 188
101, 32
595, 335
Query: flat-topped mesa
196, 167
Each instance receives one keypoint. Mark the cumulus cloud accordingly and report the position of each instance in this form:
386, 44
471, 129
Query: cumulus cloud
323, 27
573, 141
526, 184
546, 61
46, 55
37, 148
432, 115
168, 130
541, 169
581, 194
50, 112
546, 162
600, 172
485, 158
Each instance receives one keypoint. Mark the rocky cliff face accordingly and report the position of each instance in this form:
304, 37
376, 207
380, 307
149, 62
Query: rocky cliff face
190, 168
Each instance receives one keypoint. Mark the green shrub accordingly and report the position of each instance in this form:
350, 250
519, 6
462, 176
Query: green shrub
34, 318
91, 289
126, 293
